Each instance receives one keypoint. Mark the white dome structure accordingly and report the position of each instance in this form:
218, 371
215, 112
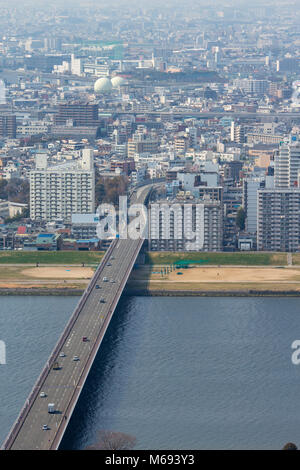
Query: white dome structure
103, 85
118, 81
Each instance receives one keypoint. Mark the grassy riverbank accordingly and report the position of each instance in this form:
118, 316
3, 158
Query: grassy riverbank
221, 272
50, 257
151, 258
241, 259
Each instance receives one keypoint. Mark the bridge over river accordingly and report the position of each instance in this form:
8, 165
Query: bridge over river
89, 321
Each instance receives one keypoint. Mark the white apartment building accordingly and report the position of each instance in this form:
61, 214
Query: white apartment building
278, 220
186, 226
250, 188
287, 164
76, 65
251, 85
57, 192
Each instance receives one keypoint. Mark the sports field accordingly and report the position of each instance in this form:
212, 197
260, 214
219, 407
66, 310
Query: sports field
217, 278
20, 276
215, 271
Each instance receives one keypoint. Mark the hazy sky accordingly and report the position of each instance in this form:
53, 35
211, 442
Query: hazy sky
183, 5
143, 3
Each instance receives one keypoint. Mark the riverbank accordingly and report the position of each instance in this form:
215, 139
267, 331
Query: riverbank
156, 280
42, 291
210, 293
129, 292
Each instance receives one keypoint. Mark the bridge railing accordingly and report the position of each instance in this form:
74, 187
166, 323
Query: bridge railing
76, 393
33, 394
36, 388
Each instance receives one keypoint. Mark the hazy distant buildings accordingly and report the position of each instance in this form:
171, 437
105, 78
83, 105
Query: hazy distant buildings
289, 64
8, 126
76, 65
77, 113
237, 133
251, 86
52, 44
142, 143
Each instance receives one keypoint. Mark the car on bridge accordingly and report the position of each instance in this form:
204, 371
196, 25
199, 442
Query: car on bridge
51, 408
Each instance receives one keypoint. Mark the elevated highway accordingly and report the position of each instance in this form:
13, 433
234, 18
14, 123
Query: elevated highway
76, 350
183, 113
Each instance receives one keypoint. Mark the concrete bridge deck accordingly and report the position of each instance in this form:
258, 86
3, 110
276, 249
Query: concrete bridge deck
90, 319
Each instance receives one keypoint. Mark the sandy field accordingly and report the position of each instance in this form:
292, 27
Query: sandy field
232, 275
58, 272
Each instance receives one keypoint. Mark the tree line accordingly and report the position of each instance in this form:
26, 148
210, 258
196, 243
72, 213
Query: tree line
15, 190
109, 189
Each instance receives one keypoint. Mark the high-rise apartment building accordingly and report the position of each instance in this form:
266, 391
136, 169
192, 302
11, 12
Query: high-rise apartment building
287, 164
76, 65
237, 133
81, 114
57, 192
278, 221
250, 188
278, 218
186, 226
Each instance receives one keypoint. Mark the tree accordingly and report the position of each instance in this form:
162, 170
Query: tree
240, 219
109, 189
15, 190
290, 446
109, 440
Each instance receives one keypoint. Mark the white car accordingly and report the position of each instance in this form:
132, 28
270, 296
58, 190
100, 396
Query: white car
43, 395
62, 354
105, 279
45, 427
75, 358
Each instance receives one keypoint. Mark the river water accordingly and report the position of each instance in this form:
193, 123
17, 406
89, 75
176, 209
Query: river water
174, 372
